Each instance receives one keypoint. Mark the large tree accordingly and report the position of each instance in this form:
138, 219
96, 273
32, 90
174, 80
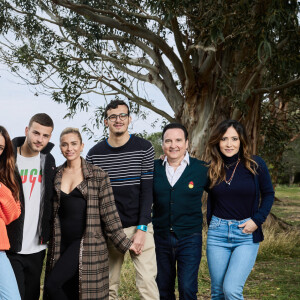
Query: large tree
211, 60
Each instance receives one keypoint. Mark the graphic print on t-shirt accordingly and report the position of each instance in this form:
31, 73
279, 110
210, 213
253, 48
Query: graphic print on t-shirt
29, 169
33, 177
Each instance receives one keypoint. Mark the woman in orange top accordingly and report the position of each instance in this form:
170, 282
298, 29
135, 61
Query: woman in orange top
9, 211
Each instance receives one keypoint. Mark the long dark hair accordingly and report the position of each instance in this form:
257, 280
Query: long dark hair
216, 170
7, 165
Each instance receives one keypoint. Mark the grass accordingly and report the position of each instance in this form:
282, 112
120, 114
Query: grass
276, 274
288, 208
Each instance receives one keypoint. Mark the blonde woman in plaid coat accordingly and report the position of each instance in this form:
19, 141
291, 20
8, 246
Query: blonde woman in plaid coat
102, 221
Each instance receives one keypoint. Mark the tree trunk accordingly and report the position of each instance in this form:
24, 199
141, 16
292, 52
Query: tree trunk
209, 100
291, 178
197, 119
204, 111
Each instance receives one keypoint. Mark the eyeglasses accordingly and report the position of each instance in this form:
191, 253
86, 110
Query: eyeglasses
113, 118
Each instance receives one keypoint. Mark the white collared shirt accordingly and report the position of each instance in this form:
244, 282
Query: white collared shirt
174, 175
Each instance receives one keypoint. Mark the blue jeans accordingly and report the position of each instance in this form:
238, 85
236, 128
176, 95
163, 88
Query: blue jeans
231, 255
187, 253
8, 284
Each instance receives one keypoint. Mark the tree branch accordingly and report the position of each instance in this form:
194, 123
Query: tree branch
170, 90
276, 88
208, 64
294, 138
260, 67
189, 74
133, 30
133, 97
200, 47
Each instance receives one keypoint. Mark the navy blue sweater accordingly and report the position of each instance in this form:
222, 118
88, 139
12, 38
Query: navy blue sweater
130, 169
234, 201
264, 197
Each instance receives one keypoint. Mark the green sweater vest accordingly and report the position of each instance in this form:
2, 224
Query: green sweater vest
179, 207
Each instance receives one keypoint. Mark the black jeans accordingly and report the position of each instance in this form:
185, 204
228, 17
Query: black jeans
28, 269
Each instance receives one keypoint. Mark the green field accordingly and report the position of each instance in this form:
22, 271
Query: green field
276, 274
289, 207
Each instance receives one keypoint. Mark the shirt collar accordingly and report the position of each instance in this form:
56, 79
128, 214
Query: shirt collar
186, 159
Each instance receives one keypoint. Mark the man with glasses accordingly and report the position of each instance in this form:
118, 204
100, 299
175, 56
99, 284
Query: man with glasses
128, 159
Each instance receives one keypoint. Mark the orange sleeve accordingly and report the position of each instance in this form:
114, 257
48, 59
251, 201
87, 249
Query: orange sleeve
9, 208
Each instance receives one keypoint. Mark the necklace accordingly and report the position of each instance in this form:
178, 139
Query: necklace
230, 179
230, 165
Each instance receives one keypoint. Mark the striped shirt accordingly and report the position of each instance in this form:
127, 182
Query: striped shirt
130, 168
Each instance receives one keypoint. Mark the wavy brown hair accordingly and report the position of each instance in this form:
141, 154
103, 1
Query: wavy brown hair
7, 165
216, 170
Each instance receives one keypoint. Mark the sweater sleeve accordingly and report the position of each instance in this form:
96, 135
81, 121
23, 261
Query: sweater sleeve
266, 192
89, 157
146, 187
110, 217
9, 207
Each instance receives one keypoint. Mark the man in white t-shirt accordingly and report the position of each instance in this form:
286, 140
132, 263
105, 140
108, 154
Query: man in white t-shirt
29, 234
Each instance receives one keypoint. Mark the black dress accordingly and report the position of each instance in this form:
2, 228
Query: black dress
62, 282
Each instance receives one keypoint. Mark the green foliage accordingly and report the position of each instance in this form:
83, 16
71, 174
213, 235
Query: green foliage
155, 139
278, 128
291, 163
230, 59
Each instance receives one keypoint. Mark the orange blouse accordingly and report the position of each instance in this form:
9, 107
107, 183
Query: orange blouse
10, 210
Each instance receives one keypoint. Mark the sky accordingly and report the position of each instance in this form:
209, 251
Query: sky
18, 104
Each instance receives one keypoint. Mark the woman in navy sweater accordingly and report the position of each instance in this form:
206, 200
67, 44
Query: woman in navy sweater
239, 200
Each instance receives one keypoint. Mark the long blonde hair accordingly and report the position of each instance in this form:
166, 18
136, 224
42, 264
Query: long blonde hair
216, 171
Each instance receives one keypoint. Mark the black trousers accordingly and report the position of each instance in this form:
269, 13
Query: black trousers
28, 269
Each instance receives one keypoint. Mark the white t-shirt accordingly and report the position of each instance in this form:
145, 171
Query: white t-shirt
31, 175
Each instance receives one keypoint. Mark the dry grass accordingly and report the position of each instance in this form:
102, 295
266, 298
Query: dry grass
283, 242
276, 273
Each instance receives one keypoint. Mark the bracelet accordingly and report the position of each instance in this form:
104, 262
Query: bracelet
142, 227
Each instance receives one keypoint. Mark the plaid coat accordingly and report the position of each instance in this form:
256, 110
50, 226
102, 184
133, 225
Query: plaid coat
102, 220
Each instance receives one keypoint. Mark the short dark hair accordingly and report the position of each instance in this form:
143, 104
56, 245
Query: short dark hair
114, 104
43, 119
174, 126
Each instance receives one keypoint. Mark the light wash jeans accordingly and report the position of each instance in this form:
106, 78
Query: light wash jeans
8, 285
231, 255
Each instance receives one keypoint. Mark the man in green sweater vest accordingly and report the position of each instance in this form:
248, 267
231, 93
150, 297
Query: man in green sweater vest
179, 181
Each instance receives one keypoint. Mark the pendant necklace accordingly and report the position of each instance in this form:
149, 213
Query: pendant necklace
230, 179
